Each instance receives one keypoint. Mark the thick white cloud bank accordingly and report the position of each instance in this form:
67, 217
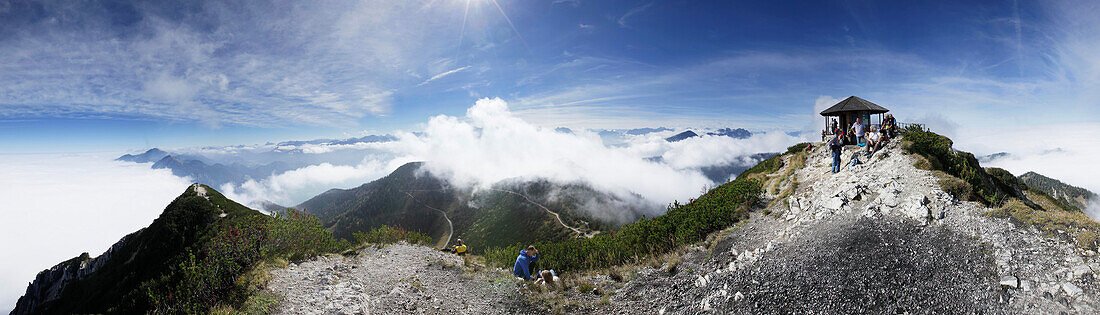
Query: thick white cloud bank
491, 144
1064, 152
58, 206
293, 187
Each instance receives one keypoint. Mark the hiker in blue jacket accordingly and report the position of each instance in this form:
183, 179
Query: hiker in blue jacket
523, 262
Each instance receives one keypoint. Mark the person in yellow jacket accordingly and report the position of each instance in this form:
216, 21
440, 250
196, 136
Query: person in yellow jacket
459, 248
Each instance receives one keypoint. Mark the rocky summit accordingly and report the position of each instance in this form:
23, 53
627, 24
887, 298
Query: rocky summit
879, 237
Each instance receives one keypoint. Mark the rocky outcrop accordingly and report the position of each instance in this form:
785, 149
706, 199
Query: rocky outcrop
49, 283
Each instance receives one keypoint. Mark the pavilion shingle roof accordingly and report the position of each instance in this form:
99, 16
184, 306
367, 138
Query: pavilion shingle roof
851, 104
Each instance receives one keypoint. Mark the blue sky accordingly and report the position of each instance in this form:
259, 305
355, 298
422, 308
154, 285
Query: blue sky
127, 75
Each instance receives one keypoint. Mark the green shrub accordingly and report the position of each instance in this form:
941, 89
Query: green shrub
1087, 239
648, 237
938, 152
585, 287
214, 274
954, 186
1051, 221
390, 235
797, 148
764, 167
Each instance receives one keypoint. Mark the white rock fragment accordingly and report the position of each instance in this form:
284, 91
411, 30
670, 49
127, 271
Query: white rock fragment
834, 203
1071, 289
701, 281
1010, 281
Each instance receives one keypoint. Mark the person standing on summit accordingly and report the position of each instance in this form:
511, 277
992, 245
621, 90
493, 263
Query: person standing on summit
526, 257
834, 148
860, 131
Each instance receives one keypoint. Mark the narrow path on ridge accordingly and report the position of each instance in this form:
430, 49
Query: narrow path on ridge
450, 226
556, 215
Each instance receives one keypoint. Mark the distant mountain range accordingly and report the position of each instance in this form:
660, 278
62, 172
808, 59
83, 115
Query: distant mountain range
152, 155
727, 132
724, 172
632, 132
251, 163
219, 174
994, 156
364, 139
642, 131
1075, 196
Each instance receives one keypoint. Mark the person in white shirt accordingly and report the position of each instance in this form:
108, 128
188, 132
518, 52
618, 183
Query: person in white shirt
860, 130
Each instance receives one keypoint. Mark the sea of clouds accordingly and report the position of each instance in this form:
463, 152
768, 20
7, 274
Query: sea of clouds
57, 206
1066, 152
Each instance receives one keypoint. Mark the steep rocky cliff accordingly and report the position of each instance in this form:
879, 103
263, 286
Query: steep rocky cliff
49, 283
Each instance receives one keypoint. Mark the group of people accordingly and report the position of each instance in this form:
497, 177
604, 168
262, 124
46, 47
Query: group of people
872, 139
525, 263
855, 131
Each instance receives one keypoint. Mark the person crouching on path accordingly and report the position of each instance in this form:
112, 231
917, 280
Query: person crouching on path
834, 148
526, 257
459, 248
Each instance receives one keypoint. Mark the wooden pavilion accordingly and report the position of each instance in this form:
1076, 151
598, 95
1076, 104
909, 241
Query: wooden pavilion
851, 108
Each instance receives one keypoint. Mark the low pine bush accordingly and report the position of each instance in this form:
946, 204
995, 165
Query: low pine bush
390, 235
214, 274
648, 237
938, 152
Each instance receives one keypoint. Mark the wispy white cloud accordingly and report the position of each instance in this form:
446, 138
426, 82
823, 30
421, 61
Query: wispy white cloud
623, 19
573, 3
444, 74
304, 63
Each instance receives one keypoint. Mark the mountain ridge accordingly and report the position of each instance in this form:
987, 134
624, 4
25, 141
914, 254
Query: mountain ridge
152, 155
1068, 196
80, 284
509, 212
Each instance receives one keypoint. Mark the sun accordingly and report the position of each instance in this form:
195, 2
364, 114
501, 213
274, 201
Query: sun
466, 14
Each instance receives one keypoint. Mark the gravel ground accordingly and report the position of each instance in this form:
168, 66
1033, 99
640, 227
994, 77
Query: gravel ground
396, 279
878, 238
